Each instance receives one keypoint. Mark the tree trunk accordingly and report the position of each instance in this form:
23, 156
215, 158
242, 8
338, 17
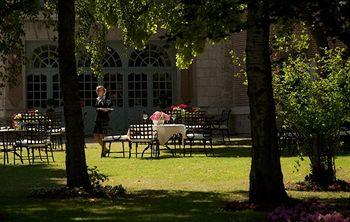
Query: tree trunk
322, 162
266, 179
76, 169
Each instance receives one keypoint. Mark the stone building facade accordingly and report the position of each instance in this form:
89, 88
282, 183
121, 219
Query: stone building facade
135, 79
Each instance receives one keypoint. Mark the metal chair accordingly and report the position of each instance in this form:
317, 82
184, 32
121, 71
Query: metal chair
117, 137
56, 129
36, 137
222, 124
142, 133
199, 131
8, 140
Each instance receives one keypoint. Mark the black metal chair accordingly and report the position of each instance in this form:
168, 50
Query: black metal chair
36, 137
56, 130
222, 124
143, 133
199, 130
116, 137
8, 140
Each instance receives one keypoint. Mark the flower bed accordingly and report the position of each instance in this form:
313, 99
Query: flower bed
311, 211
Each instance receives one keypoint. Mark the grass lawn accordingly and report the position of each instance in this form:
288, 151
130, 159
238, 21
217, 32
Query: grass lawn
167, 189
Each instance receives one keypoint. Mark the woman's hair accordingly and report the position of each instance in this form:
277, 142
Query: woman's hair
98, 88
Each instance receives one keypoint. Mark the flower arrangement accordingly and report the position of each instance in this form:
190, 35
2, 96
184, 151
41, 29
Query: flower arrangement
159, 117
179, 107
17, 120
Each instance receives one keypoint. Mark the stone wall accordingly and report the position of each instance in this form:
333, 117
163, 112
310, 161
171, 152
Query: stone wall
217, 87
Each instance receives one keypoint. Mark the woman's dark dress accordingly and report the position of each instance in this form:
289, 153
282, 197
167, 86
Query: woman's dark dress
102, 118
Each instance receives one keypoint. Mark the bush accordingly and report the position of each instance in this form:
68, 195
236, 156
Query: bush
97, 191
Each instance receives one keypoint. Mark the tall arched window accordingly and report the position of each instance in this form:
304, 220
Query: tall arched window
152, 78
45, 56
37, 91
44, 61
113, 80
151, 56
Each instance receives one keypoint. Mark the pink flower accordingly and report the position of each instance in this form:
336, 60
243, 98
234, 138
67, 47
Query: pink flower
160, 116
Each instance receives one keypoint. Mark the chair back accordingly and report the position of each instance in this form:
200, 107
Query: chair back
194, 119
37, 133
176, 113
9, 138
142, 131
225, 116
55, 121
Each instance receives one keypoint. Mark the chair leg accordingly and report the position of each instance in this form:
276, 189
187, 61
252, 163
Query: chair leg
137, 146
205, 148
158, 150
223, 136
130, 146
147, 147
109, 149
28, 154
41, 159
123, 149
103, 145
47, 155
191, 146
14, 155
211, 147
53, 159
32, 155
61, 142
184, 148
228, 135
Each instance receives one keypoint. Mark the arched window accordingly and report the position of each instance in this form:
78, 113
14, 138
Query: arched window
113, 81
87, 87
162, 89
137, 89
56, 90
111, 60
37, 91
45, 56
114, 85
151, 56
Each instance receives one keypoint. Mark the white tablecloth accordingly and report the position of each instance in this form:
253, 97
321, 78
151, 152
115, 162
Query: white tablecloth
166, 131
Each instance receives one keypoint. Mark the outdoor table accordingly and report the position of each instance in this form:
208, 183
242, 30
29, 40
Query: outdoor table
167, 131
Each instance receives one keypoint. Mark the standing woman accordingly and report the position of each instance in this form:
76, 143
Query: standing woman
102, 118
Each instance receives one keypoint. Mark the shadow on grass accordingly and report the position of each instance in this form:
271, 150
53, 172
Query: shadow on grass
198, 151
18, 180
145, 205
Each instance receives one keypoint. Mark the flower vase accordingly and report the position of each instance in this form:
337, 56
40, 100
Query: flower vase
158, 122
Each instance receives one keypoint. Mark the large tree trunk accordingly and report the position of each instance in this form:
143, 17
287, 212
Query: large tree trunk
76, 168
266, 179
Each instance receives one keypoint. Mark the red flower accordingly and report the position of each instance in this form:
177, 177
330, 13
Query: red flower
183, 106
172, 107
